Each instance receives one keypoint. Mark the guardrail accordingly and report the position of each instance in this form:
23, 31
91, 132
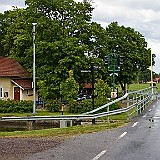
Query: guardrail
135, 101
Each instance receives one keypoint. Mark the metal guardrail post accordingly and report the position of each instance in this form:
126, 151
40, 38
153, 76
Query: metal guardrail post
133, 98
108, 115
143, 101
140, 110
137, 104
127, 100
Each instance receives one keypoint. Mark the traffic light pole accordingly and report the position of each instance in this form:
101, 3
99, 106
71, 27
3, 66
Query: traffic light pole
113, 71
113, 61
92, 71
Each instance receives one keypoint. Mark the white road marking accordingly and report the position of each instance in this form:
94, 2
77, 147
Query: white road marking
150, 110
153, 106
122, 135
135, 124
144, 116
99, 155
156, 117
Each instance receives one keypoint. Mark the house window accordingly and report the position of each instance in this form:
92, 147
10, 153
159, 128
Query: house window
1, 92
5, 94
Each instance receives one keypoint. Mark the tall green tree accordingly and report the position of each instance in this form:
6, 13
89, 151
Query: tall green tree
102, 92
65, 39
130, 44
69, 88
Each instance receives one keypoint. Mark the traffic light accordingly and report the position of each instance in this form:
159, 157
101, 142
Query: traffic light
153, 59
120, 60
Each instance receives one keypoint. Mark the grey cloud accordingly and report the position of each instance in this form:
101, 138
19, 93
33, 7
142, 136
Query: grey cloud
7, 4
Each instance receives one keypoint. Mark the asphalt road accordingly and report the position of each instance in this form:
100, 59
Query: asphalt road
139, 140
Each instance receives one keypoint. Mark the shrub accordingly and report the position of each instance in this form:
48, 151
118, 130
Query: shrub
53, 105
80, 106
86, 106
12, 106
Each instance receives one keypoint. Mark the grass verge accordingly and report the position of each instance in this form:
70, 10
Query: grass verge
64, 132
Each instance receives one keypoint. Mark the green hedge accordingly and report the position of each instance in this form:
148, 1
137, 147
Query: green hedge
53, 105
86, 105
12, 106
80, 106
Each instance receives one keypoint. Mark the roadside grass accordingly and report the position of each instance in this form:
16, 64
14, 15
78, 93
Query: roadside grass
38, 113
63, 132
134, 87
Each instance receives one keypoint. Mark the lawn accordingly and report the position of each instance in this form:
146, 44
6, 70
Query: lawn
38, 113
134, 87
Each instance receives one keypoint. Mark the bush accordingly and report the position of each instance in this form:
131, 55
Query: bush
86, 106
80, 106
53, 105
12, 106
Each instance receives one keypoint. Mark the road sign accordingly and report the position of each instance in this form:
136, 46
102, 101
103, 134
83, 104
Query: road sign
114, 74
113, 94
85, 71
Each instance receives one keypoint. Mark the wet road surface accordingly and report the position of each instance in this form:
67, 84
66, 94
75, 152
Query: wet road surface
139, 140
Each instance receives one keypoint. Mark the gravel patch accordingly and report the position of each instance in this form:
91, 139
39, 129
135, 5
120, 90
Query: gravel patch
18, 148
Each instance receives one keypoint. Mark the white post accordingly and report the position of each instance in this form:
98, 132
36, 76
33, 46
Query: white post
151, 73
34, 72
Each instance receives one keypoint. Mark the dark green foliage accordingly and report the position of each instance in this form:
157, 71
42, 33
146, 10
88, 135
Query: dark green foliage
80, 107
130, 44
86, 106
115, 106
64, 35
53, 105
67, 39
12, 106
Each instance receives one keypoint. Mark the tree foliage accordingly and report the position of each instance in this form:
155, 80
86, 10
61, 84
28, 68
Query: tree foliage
130, 44
102, 91
67, 39
69, 88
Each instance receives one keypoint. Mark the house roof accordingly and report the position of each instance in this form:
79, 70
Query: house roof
22, 83
11, 68
87, 85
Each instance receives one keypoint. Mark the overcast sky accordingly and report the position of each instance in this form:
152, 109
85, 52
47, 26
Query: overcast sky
142, 15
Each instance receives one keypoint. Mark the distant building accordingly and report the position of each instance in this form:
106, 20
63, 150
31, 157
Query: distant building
15, 82
157, 80
87, 88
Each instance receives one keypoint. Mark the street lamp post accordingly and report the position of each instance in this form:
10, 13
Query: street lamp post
34, 72
152, 72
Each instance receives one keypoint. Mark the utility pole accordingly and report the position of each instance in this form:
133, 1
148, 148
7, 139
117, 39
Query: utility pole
34, 71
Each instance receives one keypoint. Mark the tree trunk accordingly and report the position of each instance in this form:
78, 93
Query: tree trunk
123, 86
